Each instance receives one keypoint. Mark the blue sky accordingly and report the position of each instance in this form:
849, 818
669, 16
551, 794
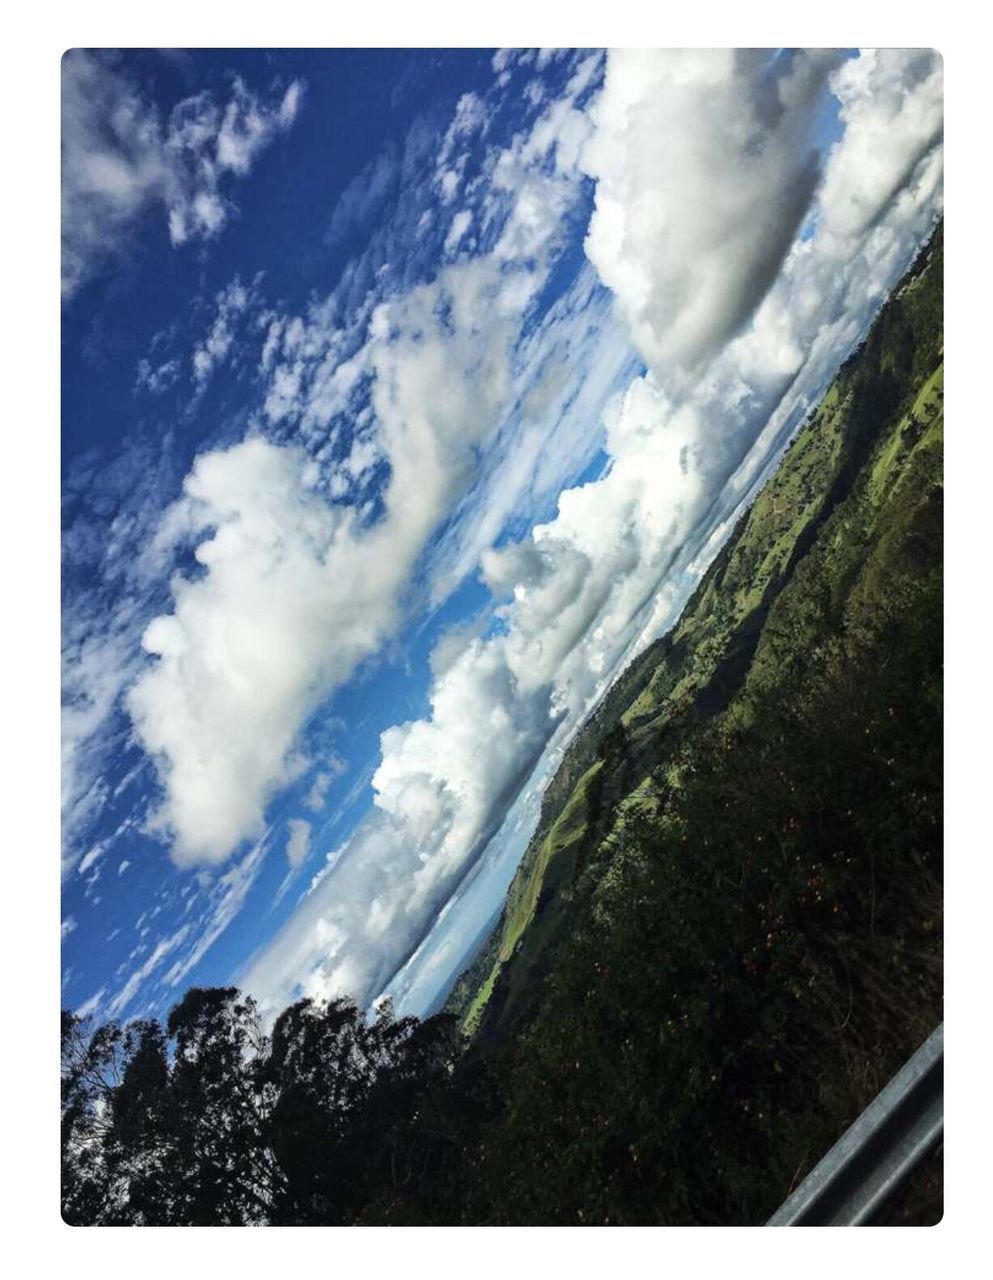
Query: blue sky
406, 395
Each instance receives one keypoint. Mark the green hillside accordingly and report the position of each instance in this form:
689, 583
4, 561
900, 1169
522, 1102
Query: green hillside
725, 935
780, 581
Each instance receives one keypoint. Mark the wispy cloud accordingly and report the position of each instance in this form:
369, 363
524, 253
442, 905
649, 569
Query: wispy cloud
298, 844
120, 158
216, 345
334, 767
137, 979
226, 898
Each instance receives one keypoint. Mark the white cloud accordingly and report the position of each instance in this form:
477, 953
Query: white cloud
317, 372
95, 668
244, 657
298, 844
297, 591
456, 232
163, 948
567, 371
469, 120
316, 797
230, 305
92, 856
121, 159
324, 871
248, 125
687, 146
110, 582
90, 1006
157, 379
892, 107
68, 925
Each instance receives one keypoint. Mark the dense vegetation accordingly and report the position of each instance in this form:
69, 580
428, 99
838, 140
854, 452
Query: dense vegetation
723, 939
210, 1121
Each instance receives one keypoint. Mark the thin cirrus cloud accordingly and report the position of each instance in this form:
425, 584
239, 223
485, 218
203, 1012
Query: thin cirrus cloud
121, 158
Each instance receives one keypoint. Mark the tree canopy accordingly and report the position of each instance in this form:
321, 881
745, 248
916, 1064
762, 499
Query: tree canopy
211, 1120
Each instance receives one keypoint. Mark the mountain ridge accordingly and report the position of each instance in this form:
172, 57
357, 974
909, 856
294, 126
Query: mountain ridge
694, 669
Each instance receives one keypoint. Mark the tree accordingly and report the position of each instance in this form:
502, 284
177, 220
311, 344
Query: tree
220, 1108
211, 1121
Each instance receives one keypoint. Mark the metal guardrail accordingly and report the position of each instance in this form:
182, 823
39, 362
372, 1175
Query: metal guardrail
872, 1158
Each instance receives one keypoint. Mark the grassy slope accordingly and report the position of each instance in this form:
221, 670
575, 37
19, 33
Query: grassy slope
728, 937
726, 634
723, 636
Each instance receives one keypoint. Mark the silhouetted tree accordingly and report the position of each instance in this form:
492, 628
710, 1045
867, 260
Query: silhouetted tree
213, 1122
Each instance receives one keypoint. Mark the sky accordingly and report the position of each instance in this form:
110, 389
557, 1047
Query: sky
406, 397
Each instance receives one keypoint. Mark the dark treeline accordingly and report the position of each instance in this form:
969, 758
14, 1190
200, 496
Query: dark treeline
211, 1121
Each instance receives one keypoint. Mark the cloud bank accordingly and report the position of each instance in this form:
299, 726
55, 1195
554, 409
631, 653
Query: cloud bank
334, 388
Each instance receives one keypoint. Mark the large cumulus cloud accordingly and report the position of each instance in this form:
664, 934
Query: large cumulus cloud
295, 591
689, 145
247, 641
